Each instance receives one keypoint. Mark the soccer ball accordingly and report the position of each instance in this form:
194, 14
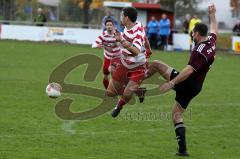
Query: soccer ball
53, 90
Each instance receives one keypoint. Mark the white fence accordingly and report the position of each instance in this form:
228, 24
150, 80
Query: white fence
33, 33
80, 35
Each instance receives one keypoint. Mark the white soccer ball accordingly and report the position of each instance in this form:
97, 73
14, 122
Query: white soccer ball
53, 90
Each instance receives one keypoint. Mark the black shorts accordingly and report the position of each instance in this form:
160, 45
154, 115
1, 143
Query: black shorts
186, 90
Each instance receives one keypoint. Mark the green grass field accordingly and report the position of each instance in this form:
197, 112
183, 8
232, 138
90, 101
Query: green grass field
30, 129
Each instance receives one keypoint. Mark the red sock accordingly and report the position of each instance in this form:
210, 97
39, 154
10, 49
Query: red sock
105, 83
121, 102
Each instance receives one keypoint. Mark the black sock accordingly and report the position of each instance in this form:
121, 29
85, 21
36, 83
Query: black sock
180, 134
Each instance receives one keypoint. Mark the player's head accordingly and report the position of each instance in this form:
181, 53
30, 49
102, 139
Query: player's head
187, 16
199, 31
109, 25
40, 10
129, 15
164, 16
153, 18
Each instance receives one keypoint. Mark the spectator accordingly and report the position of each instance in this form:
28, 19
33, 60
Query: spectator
192, 24
186, 23
164, 26
109, 16
152, 31
236, 28
52, 15
40, 19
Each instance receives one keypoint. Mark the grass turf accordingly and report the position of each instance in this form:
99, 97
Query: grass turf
30, 129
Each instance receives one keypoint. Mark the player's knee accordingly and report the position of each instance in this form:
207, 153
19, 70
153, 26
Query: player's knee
155, 62
158, 64
105, 77
110, 93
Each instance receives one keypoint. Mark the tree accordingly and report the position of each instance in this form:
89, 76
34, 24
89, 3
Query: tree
86, 7
235, 4
8, 6
181, 7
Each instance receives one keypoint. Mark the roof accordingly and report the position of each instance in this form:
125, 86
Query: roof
52, 3
146, 6
137, 5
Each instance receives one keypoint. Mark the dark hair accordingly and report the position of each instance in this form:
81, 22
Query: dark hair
131, 12
201, 28
109, 20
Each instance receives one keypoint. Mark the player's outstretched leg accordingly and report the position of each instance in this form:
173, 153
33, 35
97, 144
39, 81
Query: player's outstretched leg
180, 129
126, 97
158, 66
114, 88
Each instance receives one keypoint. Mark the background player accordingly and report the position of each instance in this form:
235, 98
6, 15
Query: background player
111, 47
188, 83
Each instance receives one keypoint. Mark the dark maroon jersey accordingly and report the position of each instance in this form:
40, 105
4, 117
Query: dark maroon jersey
202, 57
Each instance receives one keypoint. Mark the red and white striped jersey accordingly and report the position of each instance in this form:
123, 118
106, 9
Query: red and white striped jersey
111, 47
135, 36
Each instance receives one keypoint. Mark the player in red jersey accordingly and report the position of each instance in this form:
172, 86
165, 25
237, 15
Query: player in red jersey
111, 47
129, 72
188, 83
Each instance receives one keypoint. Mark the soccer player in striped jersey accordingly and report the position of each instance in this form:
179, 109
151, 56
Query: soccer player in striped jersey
111, 47
130, 70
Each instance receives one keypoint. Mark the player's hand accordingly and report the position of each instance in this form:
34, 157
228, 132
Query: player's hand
118, 36
211, 9
166, 87
99, 46
148, 53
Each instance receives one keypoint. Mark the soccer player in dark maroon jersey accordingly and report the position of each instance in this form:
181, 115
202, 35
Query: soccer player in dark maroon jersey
188, 83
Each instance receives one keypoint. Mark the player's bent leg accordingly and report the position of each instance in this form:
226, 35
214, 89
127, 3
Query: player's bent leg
114, 88
106, 72
158, 66
126, 97
130, 90
105, 81
180, 129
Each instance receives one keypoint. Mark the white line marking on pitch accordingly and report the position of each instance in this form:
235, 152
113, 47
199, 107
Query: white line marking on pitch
67, 126
118, 131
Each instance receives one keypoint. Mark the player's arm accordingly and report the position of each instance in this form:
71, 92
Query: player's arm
183, 75
213, 21
98, 42
147, 46
130, 47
